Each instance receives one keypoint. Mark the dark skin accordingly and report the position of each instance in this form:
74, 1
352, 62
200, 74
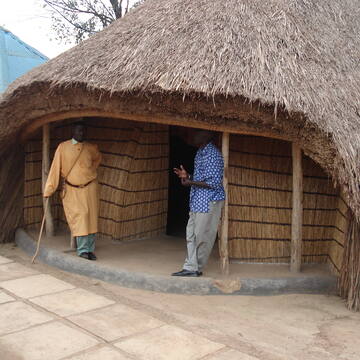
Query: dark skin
201, 138
79, 133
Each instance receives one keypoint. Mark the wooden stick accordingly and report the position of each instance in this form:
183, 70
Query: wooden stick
40, 233
72, 242
224, 253
45, 172
297, 210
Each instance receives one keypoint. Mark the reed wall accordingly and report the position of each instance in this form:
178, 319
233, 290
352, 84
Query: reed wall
133, 181
133, 177
11, 192
260, 193
33, 208
336, 250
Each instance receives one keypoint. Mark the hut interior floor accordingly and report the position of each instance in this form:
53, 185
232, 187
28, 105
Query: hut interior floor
165, 254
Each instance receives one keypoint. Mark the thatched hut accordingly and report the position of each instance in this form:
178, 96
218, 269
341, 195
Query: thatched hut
281, 79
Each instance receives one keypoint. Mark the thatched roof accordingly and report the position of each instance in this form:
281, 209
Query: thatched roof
296, 57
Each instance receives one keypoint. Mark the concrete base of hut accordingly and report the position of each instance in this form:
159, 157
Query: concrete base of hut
147, 264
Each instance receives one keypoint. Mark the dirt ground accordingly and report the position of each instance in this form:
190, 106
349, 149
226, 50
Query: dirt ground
267, 328
168, 253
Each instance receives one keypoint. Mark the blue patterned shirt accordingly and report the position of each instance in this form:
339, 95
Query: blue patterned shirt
208, 168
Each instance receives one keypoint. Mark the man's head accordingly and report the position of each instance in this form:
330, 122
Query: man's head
79, 131
202, 137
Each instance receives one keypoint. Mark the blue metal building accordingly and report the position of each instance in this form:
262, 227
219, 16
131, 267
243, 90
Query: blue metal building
16, 58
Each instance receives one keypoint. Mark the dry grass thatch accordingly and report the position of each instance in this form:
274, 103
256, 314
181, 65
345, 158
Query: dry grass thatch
297, 55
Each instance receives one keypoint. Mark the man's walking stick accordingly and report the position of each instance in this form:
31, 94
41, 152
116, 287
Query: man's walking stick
41, 231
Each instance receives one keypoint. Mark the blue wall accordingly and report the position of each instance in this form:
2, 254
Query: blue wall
16, 58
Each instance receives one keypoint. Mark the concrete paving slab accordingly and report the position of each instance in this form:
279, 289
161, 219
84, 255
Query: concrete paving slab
14, 270
115, 321
286, 327
105, 353
15, 316
338, 336
4, 260
45, 342
4, 298
71, 302
168, 342
36, 285
231, 354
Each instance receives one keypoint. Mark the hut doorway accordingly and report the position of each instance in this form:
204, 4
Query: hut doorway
180, 153
141, 197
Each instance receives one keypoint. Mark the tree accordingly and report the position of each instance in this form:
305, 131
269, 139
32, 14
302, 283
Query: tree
79, 19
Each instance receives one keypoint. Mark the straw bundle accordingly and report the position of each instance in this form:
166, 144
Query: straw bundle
12, 192
349, 281
260, 203
132, 177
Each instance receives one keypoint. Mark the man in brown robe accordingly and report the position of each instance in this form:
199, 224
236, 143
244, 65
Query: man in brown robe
76, 161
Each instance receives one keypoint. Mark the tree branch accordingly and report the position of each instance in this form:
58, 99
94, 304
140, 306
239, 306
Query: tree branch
76, 25
81, 18
74, 9
117, 6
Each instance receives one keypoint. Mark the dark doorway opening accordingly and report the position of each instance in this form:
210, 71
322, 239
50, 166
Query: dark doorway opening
180, 153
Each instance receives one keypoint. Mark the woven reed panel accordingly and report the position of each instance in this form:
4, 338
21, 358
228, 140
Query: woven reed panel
12, 169
133, 177
33, 207
336, 250
260, 194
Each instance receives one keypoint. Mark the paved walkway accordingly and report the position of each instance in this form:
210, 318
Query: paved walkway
48, 314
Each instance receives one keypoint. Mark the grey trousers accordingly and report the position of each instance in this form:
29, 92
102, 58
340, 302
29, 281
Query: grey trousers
201, 233
85, 243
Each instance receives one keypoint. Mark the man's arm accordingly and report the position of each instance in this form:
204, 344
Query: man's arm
188, 182
185, 178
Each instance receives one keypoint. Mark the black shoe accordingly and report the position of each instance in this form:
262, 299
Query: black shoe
199, 273
184, 272
92, 256
84, 255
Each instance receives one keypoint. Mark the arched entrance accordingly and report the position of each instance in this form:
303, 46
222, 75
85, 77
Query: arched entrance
135, 199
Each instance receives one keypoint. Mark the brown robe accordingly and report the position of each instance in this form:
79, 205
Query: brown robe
81, 205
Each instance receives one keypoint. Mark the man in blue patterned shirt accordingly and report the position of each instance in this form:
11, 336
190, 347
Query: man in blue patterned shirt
206, 200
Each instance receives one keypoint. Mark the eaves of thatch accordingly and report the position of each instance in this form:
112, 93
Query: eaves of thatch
283, 68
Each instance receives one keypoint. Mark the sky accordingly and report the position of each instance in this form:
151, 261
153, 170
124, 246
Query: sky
29, 21
32, 24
